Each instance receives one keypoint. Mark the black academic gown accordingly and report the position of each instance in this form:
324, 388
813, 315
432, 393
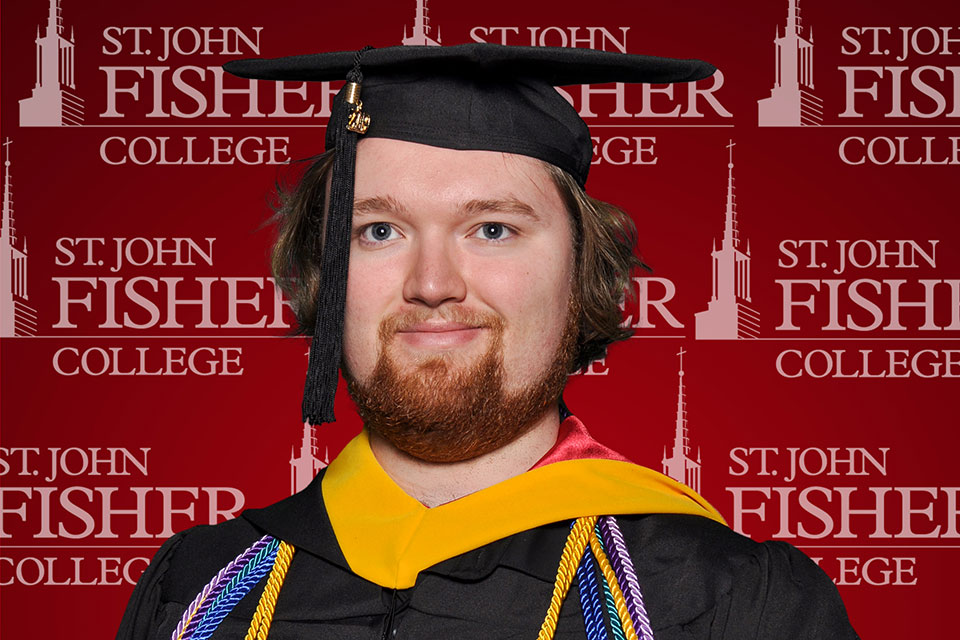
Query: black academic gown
699, 580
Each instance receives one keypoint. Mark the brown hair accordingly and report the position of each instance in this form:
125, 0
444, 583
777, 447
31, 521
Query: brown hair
604, 239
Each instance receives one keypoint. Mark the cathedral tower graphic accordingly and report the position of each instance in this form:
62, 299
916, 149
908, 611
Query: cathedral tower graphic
728, 315
792, 102
17, 318
305, 465
53, 102
680, 466
421, 28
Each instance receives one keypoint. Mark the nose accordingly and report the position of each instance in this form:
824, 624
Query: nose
435, 276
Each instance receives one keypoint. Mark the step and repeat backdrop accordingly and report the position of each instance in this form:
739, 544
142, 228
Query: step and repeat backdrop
796, 348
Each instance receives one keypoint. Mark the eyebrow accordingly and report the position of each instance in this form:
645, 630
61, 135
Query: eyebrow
504, 205
378, 204
388, 204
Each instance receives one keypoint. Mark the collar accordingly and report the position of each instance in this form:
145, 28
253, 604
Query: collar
575, 443
302, 520
388, 537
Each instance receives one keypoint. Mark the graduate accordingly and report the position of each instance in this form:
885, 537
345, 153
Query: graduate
444, 256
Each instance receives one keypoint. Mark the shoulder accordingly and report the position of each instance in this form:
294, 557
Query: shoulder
200, 552
179, 571
695, 572
187, 562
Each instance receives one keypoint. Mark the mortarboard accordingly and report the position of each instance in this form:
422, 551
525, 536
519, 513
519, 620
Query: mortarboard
473, 96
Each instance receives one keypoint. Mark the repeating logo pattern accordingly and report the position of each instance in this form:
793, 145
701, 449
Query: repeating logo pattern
859, 252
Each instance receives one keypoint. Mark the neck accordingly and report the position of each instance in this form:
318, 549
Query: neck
436, 483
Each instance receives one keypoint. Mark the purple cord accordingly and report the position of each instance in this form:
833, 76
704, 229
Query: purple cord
209, 592
626, 575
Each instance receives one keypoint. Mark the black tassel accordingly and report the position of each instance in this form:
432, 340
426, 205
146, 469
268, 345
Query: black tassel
320, 387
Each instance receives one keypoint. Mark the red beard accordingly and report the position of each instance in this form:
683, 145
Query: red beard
440, 412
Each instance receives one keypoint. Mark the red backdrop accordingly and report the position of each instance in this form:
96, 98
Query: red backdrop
146, 394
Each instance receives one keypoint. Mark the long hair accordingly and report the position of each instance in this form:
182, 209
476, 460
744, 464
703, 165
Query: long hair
604, 240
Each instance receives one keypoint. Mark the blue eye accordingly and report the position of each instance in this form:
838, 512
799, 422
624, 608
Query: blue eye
377, 232
494, 231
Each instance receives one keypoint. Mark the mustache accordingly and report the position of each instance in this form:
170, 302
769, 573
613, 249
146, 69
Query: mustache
404, 320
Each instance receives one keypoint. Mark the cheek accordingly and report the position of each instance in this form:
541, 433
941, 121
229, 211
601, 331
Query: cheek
533, 298
366, 301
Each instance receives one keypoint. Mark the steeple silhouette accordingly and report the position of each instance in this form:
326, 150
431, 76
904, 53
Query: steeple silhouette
731, 235
792, 101
728, 315
421, 28
679, 465
17, 318
53, 101
305, 465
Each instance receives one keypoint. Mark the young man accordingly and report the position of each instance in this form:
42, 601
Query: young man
444, 255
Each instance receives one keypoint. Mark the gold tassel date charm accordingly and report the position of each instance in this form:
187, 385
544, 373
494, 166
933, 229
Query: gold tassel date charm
357, 121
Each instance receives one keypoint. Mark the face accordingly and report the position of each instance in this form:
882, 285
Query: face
461, 268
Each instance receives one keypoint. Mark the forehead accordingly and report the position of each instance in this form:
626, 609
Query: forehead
425, 175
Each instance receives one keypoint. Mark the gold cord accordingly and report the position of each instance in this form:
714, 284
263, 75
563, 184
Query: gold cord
573, 550
615, 590
260, 624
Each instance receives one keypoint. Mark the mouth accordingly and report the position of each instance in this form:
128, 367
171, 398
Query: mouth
440, 334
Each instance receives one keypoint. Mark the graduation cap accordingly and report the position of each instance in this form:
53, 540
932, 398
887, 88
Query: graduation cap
474, 96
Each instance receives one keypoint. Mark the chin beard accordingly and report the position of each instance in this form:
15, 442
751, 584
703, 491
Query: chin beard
438, 411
